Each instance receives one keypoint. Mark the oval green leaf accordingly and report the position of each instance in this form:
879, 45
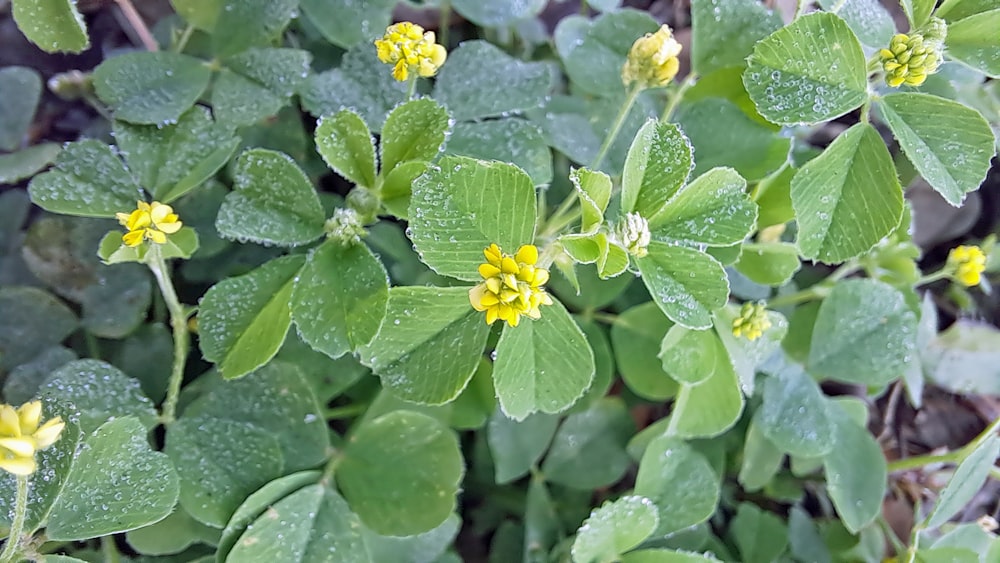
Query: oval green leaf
151, 88
687, 285
679, 481
53, 25
88, 180
658, 162
347, 147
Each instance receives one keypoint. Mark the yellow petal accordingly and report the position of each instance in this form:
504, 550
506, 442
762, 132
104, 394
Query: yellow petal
157, 236
170, 227
138, 220
142, 206
489, 299
49, 433
493, 254
493, 284
132, 238
492, 314
541, 277
508, 265
400, 72
18, 465
527, 254
488, 270
158, 212
30, 414
476, 294
10, 425
122, 218
21, 447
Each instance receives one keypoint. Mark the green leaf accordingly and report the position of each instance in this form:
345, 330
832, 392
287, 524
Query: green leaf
33, 321
100, 392
202, 14
762, 459
848, 198
868, 334
88, 180
243, 320
688, 356
498, 13
964, 358
171, 161
22, 87
855, 471
809, 71
257, 83
396, 190
308, 525
182, 244
615, 528
361, 83
724, 33
918, 11
251, 23
127, 84
347, 147
635, 336
594, 51
346, 23
516, 446
513, 140
769, 263
527, 357
277, 399
966, 482
679, 481
116, 457
794, 415
220, 462
804, 541
53, 25
426, 547
951, 150
760, 536
973, 41
173, 534
272, 202
400, 473
658, 162
415, 130
419, 323
722, 135
339, 298
467, 82
745, 355
711, 407
588, 451
594, 190
869, 20
687, 285
462, 206
666, 556
713, 209
25, 163
23, 381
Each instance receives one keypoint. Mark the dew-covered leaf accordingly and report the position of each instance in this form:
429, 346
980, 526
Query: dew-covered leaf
202, 14
794, 415
100, 392
713, 209
467, 82
339, 298
687, 285
25, 163
257, 83
658, 162
760, 536
242, 320
614, 528
666, 556
809, 71
869, 19
712, 406
23, 381
347, 147
112, 250
150, 88
117, 484
746, 355
679, 481
688, 356
498, 13
250, 23
542, 364
588, 451
173, 534
966, 482
508, 140
33, 320
415, 130
869, 334
973, 41
21, 87
419, 323
53, 25
636, 336
965, 358
427, 547
769, 263
345, 23
918, 11
762, 459
516, 446
400, 472
952, 150
88, 180
462, 206
855, 471
594, 51
723, 32
848, 198
272, 202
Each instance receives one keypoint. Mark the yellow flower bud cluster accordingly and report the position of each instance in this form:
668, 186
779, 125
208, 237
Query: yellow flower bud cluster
966, 263
652, 60
153, 221
752, 321
21, 436
409, 48
909, 59
512, 285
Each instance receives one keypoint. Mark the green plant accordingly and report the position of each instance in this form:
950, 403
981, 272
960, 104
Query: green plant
621, 226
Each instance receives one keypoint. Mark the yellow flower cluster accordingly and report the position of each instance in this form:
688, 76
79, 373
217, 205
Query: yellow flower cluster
967, 264
409, 48
752, 321
153, 221
21, 436
908, 60
512, 285
652, 60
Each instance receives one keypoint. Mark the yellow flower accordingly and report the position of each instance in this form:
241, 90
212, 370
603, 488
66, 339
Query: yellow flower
153, 221
909, 59
752, 321
652, 60
21, 436
512, 285
409, 48
966, 264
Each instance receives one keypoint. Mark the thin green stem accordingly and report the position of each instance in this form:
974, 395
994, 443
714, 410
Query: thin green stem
933, 277
183, 41
799, 7
954, 456
141, 29
331, 466
811, 293
346, 411
178, 321
411, 87
17, 526
633, 94
677, 95
110, 550
444, 22
606, 318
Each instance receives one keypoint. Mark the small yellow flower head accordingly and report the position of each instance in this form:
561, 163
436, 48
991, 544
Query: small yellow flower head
652, 60
153, 221
21, 436
966, 264
512, 285
346, 225
909, 59
633, 232
752, 321
409, 48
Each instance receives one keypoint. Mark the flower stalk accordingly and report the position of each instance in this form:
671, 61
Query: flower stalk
178, 322
10, 549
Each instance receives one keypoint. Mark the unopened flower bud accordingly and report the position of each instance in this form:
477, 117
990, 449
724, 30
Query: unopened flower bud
752, 321
910, 58
652, 61
346, 225
633, 233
